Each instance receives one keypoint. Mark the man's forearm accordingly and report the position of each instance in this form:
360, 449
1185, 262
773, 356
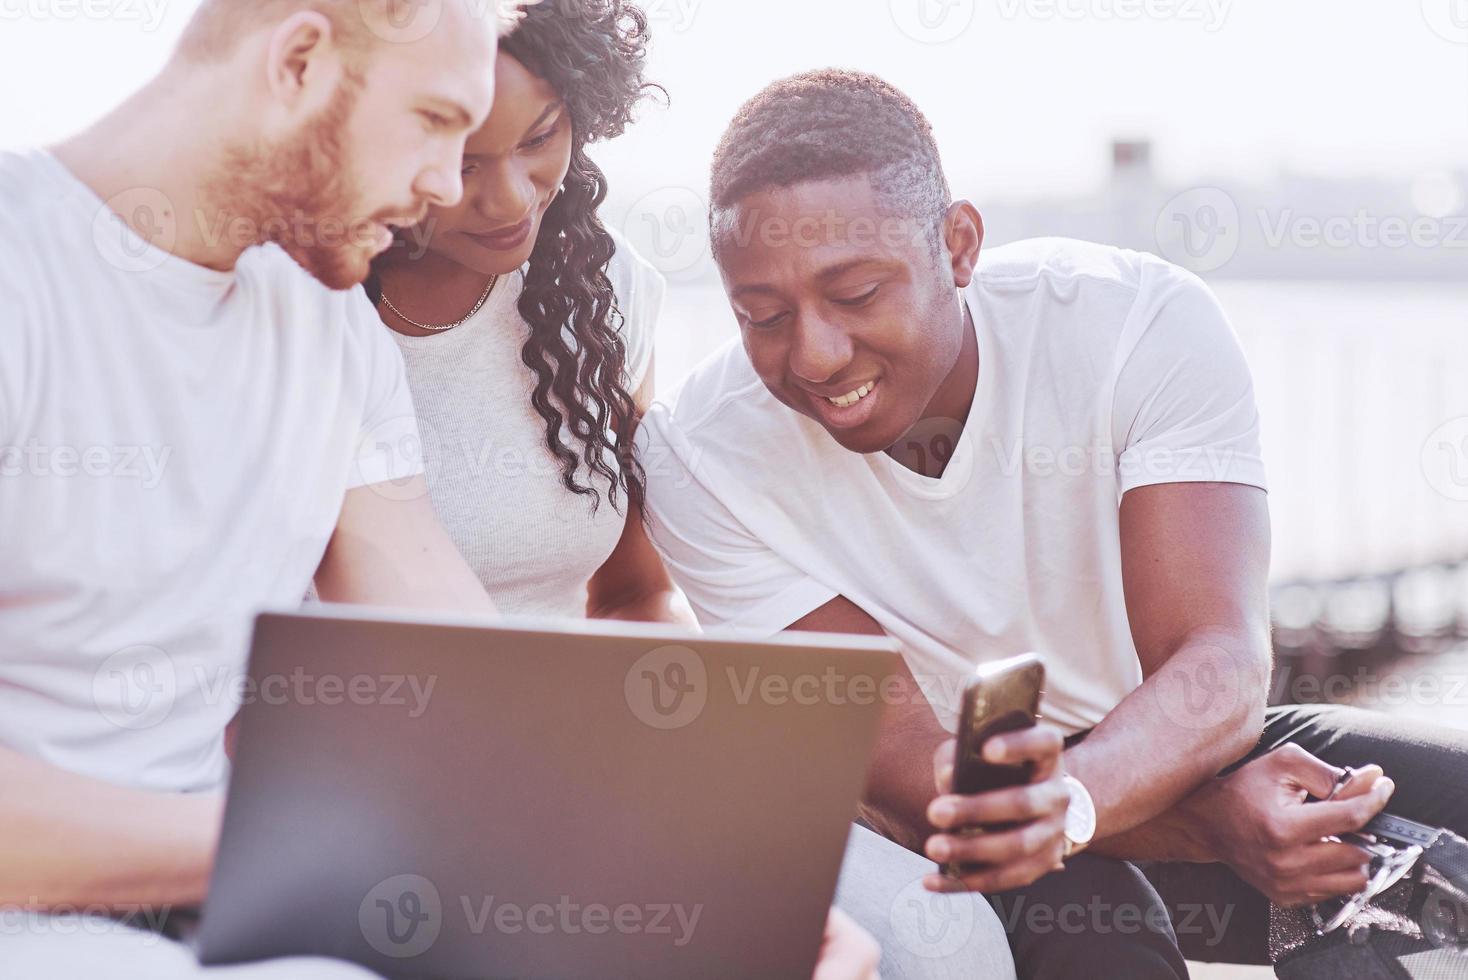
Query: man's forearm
1201, 711
1178, 834
73, 841
900, 783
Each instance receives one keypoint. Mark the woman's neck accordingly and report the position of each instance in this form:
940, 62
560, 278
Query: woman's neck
430, 289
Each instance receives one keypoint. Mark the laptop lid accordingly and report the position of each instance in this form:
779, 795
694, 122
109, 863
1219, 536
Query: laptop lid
523, 799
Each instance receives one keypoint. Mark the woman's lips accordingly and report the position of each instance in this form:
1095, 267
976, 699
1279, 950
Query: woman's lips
509, 238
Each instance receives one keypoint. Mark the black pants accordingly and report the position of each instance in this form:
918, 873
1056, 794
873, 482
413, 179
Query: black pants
1103, 918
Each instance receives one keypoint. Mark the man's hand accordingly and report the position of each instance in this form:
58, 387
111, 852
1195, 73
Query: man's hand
848, 953
1261, 825
999, 861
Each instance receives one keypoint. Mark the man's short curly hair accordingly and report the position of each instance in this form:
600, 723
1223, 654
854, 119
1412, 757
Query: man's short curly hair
828, 125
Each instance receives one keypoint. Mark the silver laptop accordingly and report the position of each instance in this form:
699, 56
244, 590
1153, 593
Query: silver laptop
528, 799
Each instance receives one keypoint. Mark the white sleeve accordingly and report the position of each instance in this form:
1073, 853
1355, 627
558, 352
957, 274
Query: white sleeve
17, 341
640, 291
1184, 409
730, 577
388, 445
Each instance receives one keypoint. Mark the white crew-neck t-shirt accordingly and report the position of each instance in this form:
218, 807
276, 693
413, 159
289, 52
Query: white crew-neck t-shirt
493, 481
175, 446
1101, 370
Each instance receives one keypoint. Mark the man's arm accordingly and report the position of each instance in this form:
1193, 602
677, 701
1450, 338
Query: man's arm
900, 780
1194, 558
71, 840
633, 583
390, 549
1195, 561
74, 841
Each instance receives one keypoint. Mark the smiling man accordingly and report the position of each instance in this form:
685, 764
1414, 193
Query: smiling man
1049, 446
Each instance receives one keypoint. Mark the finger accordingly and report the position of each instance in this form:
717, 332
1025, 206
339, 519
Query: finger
848, 952
1319, 889
1032, 840
990, 881
1360, 782
1016, 803
1312, 821
1322, 858
943, 766
1041, 744
1315, 776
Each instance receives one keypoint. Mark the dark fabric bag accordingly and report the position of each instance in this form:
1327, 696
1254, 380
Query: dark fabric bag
1415, 930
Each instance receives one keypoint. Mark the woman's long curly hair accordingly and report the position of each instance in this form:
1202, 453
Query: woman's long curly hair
592, 52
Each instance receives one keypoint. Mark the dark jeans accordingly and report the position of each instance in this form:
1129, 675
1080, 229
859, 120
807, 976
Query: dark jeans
1103, 918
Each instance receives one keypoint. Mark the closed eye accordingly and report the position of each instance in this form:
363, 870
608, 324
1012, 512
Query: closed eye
861, 300
436, 120
543, 138
766, 323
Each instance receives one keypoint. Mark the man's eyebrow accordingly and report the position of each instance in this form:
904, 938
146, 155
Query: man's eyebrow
841, 268
456, 113
758, 288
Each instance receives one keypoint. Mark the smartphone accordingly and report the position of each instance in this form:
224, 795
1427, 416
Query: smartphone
1002, 696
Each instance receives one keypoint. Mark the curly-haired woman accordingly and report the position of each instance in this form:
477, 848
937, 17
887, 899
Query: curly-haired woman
527, 329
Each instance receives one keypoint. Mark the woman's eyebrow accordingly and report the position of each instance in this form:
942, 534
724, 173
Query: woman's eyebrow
550, 110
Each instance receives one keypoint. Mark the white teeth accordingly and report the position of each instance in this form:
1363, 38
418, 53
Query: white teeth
851, 398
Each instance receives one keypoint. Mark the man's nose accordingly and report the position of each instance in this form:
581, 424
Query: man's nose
820, 350
443, 184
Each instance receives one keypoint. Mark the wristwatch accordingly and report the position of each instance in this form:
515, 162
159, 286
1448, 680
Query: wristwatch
1080, 818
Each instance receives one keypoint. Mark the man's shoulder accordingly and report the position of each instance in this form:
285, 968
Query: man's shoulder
22, 172
1072, 264
721, 391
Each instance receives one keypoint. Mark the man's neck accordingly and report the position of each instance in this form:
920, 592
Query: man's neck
149, 160
929, 445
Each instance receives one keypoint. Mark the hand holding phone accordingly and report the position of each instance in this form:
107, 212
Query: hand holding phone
1001, 822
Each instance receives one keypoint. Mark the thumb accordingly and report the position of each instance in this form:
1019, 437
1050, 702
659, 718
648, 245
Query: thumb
943, 766
1316, 777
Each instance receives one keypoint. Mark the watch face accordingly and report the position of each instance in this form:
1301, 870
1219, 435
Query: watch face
1080, 816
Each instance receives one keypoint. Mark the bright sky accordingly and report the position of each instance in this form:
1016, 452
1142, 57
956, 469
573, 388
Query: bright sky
1025, 94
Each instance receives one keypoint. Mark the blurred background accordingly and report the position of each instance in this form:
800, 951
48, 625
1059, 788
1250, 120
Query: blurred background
1309, 159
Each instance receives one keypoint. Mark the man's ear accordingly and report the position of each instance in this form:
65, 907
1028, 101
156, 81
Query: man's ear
963, 233
298, 51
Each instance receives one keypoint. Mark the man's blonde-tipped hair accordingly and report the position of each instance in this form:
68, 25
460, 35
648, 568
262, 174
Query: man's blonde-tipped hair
218, 25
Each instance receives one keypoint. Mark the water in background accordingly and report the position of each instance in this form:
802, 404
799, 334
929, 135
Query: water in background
1358, 385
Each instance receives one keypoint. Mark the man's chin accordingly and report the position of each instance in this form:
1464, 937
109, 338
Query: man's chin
864, 439
335, 268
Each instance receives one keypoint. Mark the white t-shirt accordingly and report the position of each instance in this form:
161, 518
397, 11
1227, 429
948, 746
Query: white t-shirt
494, 483
1101, 370
175, 446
